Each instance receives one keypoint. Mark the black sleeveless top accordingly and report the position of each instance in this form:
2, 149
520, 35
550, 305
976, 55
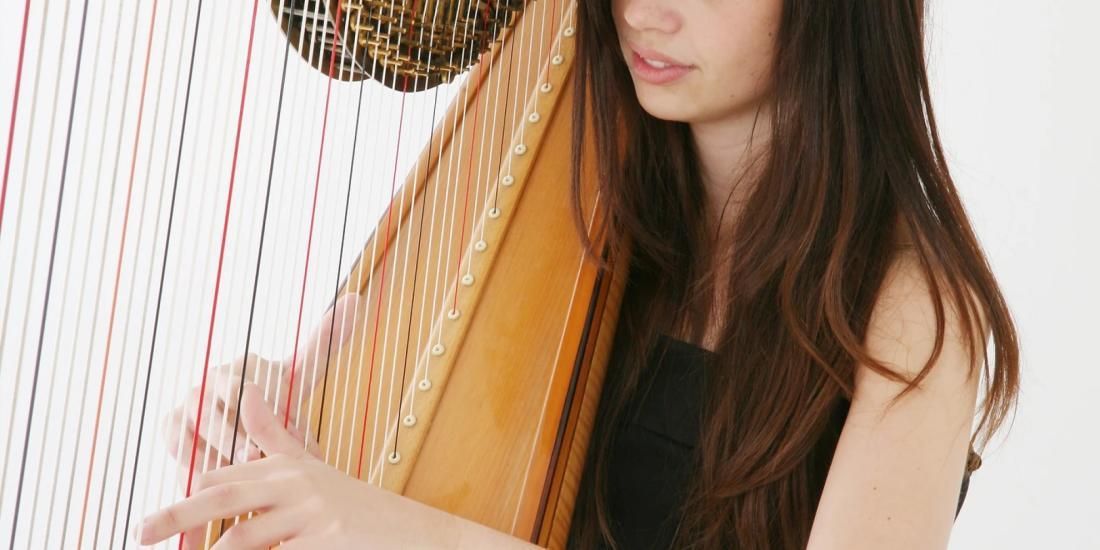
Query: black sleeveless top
651, 457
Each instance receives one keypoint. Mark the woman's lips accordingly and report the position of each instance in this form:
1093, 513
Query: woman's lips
657, 72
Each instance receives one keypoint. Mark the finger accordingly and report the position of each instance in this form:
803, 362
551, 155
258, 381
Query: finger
223, 501
310, 444
217, 421
265, 429
256, 370
228, 438
250, 452
261, 531
300, 370
237, 473
219, 427
180, 439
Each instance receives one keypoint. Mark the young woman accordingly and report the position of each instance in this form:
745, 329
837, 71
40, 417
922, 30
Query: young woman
807, 316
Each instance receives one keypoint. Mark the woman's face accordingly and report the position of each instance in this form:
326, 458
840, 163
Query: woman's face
698, 61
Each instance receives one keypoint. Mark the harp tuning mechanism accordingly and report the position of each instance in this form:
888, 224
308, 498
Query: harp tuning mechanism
411, 45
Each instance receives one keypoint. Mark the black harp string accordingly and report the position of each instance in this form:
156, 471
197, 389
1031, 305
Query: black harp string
319, 18
386, 252
263, 236
370, 171
419, 241
343, 241
404, 192
340, 38
465, 62
260, 246
340, 264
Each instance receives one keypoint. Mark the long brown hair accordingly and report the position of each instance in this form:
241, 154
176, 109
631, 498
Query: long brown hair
854, 161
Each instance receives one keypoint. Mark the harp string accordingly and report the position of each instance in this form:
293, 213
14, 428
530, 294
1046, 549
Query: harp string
455, 153
355, 312
408, 331
327, 67
263, 233
337, 288
233, 167
118, 273
186, 451
388, 222
312, 220
382, 289
14, 109
336, 291
416, 4
221, 258
160, 301
394, 355
148, 282
206, 464
371, 169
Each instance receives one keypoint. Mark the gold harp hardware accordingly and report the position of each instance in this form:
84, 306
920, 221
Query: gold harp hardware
407, 46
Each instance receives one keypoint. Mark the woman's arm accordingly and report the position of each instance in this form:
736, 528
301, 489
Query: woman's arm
895, 477
305, 503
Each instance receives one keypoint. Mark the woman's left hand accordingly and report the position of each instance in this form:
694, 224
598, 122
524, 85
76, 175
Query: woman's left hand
301, 501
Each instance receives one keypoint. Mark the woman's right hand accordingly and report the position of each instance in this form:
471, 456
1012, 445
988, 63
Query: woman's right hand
220, 441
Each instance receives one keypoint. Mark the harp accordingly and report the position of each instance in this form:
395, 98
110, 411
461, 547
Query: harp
167, 171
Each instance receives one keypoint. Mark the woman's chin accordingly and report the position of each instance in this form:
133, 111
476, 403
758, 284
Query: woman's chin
670, 109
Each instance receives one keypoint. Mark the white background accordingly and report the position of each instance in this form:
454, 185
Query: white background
1015, 87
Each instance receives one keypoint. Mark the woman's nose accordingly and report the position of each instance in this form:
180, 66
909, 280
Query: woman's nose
651, 15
